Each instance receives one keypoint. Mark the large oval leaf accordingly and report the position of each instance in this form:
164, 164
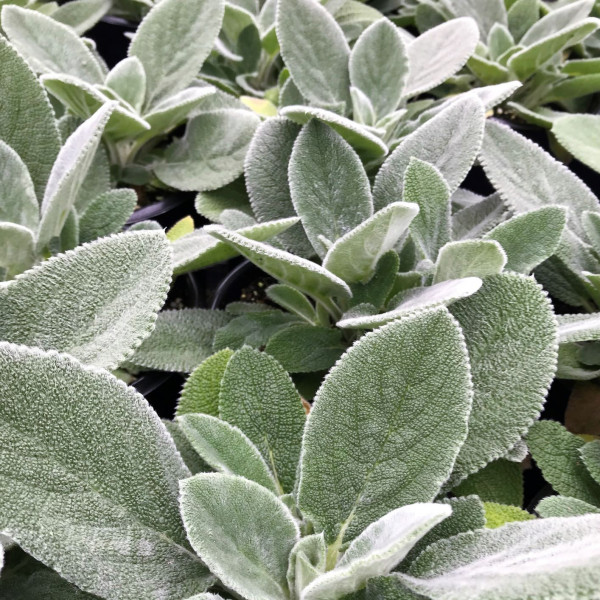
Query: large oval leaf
89, 479
97, 302
402, 397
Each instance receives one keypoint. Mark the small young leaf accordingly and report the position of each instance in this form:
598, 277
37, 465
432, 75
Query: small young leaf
306, 348
68, 174
307, 561
328, 185
557, 453
189, 456
212, 151
560, 554
469, 258
292, 300
101, 479
258, 396
18, 203
185, 33
377, 550
497, 515
381, 80
128, 80
521, 16
49, 46
530, 238
107, 214
385, 397
354, 256
380, 287
200, 393
36, 146
563, 506
226, 449
298, 272
368, 145
242, 531
425, 186
416, 299
510, 330
181, 340
439, 53
500, 481
17, 251
109, 292
321, 74
435, 142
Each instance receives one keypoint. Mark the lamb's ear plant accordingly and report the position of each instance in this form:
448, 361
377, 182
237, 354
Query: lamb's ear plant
155, 91
347, 502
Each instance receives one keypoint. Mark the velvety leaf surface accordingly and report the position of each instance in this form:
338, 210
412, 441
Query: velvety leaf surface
590, 454
226, 449
200, 393
17, 252
128, 79
557, 453
395, 426
49, 46
469, 258
328, 185
211, 153
185, 33
91, 488
108, 291
577, 133
497, 515
24, 100
189, 456
243, 532
476, 220
578, 327
292, 300
181, 340
107, 214
258, 396
485, 12
435, 142
439, 53
563, 506
556, 20
321, 74
354, 256
510, 330
561, 556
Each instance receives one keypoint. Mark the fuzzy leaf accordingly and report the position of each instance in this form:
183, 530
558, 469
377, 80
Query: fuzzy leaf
578, 134
381, 80
469, 258
128, 80
354, 256
266, 171
107, 214
557, 453
307, 561
18, 203
321, 74
368, 145
415, 299
200, 393
199, 249
529, 60
563, 506
188, 30
425, 186
189, 456
92, 481
49, 46
578, 328
81, 15
439, 53
298, 272
306, 348
540, 179
292, 300
560, 554
68, 174
497, 515
522, 15
510, 330
181, 340
486, 12
328, 185
242, 531
17, 252
381, 390
377, 550
530, 238
435, 142
499, 481
109, 292
226, 449
258, 396
211, 153
478, 219
380, 287
24, 100
590, 454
